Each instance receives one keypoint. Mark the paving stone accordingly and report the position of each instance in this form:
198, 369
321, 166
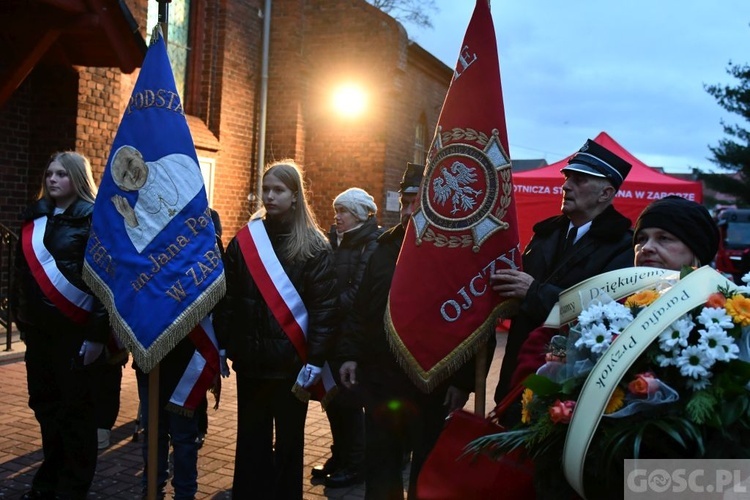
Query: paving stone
119, 467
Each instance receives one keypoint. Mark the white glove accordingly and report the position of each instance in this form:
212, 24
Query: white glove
90, 351
223, 365
309, 375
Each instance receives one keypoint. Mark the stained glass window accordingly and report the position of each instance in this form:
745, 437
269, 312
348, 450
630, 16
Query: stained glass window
178, 38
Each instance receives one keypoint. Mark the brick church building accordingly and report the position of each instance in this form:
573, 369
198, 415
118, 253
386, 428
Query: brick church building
69, 66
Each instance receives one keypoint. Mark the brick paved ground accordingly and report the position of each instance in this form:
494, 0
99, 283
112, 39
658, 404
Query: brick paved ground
118, 474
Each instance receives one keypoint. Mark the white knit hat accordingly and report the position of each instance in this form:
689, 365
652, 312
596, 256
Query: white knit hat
358, 202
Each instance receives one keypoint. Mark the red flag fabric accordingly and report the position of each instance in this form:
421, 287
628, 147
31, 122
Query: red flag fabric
441, 307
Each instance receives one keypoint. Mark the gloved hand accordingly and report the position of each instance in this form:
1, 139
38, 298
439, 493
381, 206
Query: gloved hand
90, 351
223, 365
310, 375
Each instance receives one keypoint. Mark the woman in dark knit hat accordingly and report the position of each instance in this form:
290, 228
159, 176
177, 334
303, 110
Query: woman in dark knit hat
671, 230
670, 233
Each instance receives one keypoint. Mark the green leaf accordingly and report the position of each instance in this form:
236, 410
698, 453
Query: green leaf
700, 408
541, 386
731, 411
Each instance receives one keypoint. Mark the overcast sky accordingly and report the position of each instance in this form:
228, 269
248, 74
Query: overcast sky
633, 68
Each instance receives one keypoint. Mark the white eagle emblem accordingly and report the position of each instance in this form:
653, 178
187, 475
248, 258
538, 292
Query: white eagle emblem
455, 185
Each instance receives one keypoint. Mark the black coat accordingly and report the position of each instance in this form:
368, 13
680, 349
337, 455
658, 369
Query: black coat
65, 237
350, 259
608, 245
247, 329
367, 343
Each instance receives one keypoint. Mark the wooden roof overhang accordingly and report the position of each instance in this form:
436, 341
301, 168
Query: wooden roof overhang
98, 33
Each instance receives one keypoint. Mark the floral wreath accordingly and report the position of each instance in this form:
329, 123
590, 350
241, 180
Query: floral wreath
686, 396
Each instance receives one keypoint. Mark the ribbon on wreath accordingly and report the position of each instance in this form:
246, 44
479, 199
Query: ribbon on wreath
616, 284
688, 293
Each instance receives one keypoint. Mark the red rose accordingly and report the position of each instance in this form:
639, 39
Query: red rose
561, 411
644, 384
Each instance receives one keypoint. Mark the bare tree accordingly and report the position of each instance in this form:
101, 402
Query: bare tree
416, 12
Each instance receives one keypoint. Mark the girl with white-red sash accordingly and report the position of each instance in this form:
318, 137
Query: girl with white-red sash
63, 325
275, 323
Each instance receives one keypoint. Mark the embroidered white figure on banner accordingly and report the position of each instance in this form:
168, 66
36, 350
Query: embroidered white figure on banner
164, 188
456, 186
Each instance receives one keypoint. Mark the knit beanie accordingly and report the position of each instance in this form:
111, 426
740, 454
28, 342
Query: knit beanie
358, 202
687, 220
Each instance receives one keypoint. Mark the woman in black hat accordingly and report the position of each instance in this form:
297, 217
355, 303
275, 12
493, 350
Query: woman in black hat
670, 233
673, 232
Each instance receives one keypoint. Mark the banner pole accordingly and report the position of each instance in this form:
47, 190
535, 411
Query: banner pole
153, 430
480, 381
153, 375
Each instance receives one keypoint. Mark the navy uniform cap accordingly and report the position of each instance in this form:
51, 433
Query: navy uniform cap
411, 179
594, 159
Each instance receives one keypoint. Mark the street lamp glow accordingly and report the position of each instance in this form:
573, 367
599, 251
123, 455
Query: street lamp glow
349, 100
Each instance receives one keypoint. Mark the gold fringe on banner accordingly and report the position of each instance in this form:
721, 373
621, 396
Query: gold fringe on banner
428, 380
146, 359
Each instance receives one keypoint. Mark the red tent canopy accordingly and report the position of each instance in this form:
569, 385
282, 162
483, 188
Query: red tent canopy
538, 193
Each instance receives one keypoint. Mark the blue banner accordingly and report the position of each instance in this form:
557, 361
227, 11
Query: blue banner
152, 256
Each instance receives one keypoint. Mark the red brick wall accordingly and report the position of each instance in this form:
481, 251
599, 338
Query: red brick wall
100, 105
232, 108
314, 43
15, 150
347, 41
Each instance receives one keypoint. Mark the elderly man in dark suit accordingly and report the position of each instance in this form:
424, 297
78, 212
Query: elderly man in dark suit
589, 238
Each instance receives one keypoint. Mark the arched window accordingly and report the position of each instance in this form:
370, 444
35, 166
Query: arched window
420, 141
178, 46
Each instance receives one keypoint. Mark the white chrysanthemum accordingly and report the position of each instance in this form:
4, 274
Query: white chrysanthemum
665, 360
619, 317
715, 316
743, 289
746, 279
699, 383
718, 344
675, 336
594, 313
694, 361
596, 338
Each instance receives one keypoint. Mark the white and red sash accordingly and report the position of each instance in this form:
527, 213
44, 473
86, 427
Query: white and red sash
69, 299
202, 370
282, 299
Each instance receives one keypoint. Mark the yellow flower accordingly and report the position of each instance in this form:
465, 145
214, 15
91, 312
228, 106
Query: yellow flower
642, 298
526, 398
738, 307
616, 401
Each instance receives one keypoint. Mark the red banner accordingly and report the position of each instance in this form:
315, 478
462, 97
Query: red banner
441, 306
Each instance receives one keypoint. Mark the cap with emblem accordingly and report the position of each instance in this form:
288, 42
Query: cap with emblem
412, 178
594, 159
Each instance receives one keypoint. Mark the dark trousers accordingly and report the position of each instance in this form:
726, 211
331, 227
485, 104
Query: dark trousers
397, 417
201, 413
346, 416
264, 469
60, 395
181, 432
107, 384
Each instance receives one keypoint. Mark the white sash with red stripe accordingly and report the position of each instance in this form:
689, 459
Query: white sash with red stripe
69, 299
282, 299
202, 369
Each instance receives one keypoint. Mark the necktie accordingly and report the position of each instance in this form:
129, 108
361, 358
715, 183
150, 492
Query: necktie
571, 238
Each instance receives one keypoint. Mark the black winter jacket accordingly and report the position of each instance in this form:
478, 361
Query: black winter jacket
247, 329
608, 245
367, 342
65, 238
350, 259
